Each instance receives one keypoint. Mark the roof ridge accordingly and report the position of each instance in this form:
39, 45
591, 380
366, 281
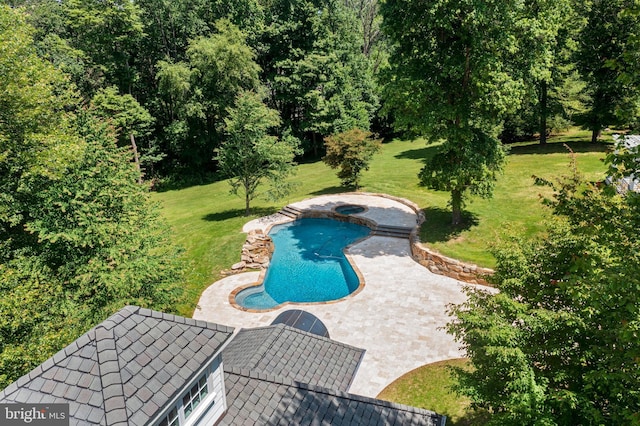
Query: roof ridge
279, 380
110, 377
149, 313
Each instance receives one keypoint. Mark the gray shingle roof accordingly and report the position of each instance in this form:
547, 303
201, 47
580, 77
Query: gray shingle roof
124, 370
255, 398
284, 351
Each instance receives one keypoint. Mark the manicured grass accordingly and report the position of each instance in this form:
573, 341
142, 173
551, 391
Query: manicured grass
208, 221
429, 387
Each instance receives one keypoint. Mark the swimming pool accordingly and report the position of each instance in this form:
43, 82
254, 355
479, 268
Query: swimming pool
308, 264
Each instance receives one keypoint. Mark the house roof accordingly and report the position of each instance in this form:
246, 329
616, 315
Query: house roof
287, 352
125, 370
130, 367
629, 141
256, 398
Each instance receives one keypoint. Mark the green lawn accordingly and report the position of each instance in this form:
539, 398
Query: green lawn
428, 387
208, 221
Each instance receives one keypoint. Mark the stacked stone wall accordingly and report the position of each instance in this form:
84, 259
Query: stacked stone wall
256, 253
442, 265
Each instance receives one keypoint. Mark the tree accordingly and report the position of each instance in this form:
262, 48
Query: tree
558, 345
130, 119
319, 79
451, 80
249, 155
547, 28
607, 56
109, 33
78, 237
351, 152
197, 93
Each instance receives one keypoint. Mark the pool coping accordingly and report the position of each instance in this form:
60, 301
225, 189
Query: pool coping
312, 215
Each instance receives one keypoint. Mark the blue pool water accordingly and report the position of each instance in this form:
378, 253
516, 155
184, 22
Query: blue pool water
308, 264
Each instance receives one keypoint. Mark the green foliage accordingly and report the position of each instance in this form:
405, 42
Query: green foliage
351, 152
320, 80
78, 237
249, 155
452, 79
109, 33
608, 61
558, 344
471, 163
196, 94
132, 122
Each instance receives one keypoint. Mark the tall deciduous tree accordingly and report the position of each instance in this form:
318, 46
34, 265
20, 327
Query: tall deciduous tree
109, 33
197, 93
451, 81
607, 55
250, 155
544, 37
558, 345
312, 62
351, 152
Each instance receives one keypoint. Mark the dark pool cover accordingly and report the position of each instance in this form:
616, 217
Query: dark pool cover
302, 321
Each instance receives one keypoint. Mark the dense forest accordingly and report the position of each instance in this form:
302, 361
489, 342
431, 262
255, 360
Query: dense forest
165, 73
101, 100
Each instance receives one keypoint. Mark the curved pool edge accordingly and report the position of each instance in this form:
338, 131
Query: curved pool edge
260, 281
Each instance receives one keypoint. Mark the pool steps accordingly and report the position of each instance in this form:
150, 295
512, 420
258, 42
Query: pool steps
291, 212
378, 230
392, 231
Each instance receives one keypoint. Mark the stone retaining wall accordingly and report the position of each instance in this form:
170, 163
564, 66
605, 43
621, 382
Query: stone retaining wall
442, 265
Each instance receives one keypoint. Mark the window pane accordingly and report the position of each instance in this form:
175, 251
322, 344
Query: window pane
196, 401
195, 395
171, 419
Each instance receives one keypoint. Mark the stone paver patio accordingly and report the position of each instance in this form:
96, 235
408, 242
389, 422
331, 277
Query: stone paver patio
398, 316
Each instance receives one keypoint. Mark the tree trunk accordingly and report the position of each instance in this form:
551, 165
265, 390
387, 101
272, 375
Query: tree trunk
543, 112
136, 157
595, 134
247, 210
315, 145
456, 206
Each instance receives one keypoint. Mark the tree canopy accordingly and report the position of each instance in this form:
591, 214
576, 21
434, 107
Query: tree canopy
452, 80
558, 345
351, 153
78, 237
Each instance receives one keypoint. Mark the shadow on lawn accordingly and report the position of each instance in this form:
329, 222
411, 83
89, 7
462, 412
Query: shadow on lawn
423, 154
332, 190
577, 146
470, 418
437, 225
235, 213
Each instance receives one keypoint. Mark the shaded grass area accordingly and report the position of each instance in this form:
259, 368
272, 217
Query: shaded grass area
429, 387
208, 221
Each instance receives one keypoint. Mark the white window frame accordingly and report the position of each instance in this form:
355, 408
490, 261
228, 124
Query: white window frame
204, 404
